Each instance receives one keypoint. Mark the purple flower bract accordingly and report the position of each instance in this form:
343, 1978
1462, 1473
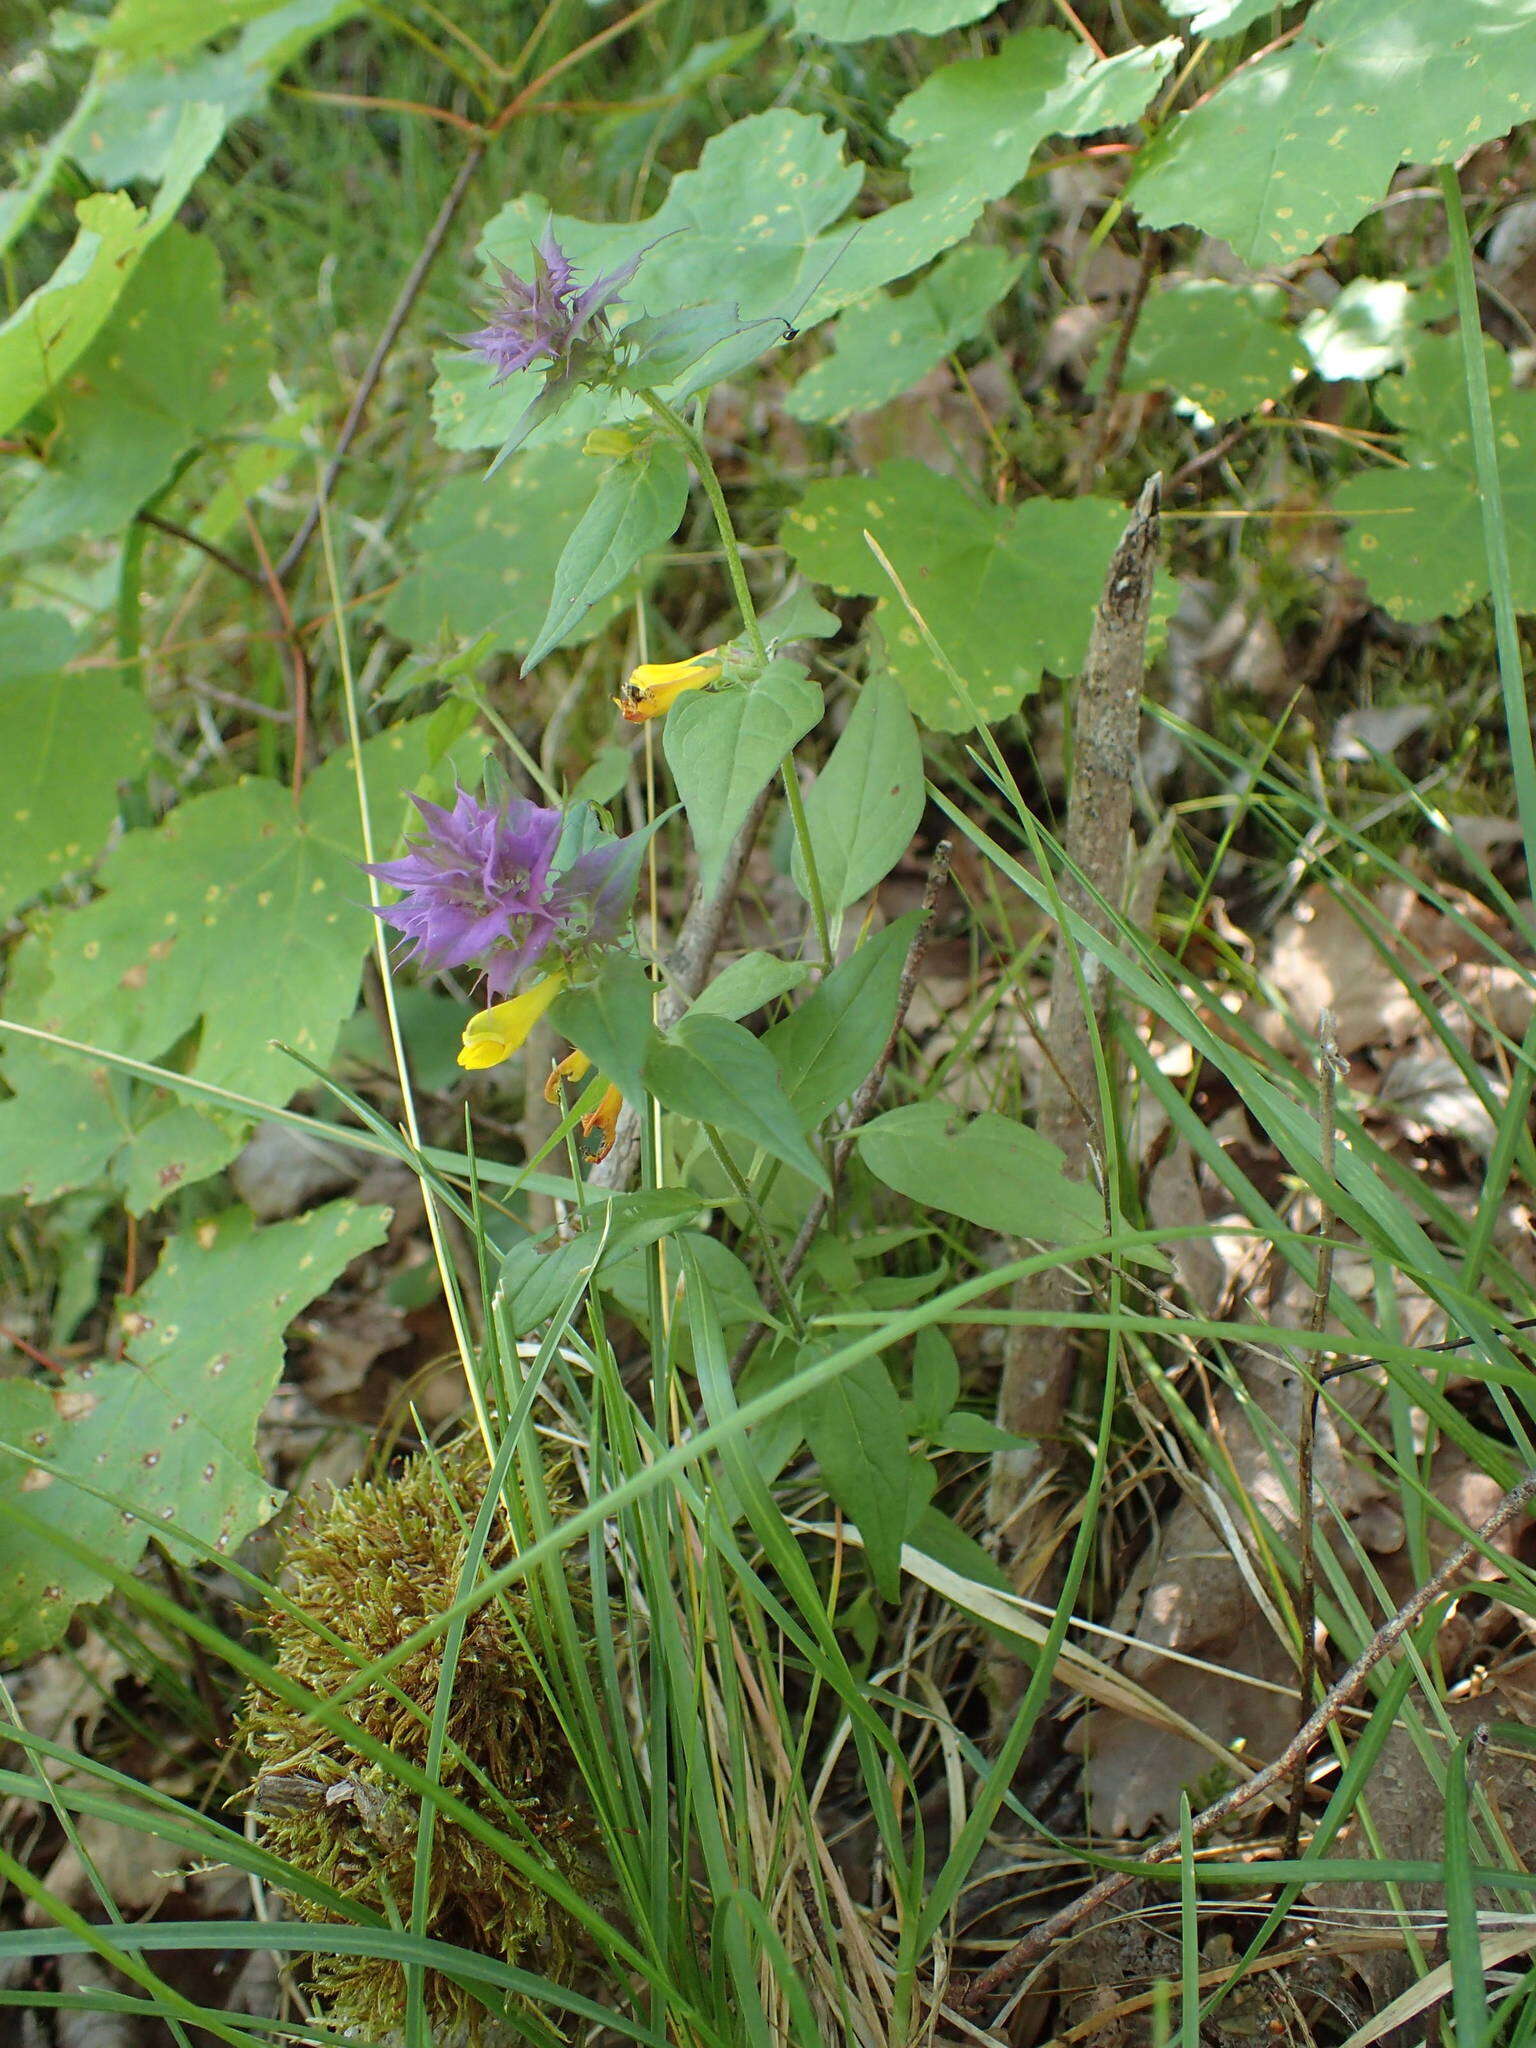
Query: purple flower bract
479, 892
546, 317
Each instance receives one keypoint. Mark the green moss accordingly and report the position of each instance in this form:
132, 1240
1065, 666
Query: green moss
371, 1568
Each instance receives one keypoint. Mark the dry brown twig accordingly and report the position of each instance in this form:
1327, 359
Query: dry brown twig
1037, 1362
1007, 1970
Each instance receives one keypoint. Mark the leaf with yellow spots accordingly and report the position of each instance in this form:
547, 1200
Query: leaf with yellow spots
167, 1431
239, 920
1223, 347
1006, 594
170, 370
974, 126
1301, 142
1416, 534
69, 742
754, 233
51, 329
484, 551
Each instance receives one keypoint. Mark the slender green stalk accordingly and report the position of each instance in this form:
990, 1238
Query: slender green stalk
752, 626
1522, 755
770, 1251
1517, 710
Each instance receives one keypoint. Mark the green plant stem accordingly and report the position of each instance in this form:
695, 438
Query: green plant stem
735, 569
1517, 714
1522, 755
771, 1258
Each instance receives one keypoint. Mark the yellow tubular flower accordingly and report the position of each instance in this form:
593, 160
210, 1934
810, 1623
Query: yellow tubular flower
493, 1035
604, 1121
654, 687
573, 1068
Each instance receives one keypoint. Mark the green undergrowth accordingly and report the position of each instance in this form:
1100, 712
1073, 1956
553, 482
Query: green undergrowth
670, 1677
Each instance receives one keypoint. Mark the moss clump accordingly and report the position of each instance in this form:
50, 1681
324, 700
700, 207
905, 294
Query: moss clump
370, 1569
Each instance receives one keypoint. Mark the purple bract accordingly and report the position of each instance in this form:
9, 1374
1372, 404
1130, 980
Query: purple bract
479, 892
547, 317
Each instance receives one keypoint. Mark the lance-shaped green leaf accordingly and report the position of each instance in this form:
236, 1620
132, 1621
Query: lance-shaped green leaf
866, 803
749, 239
609, 1019
723, 745
827, 1046
986, 1168
750, 982
169, 1429
856, 1428
1302, 141
483, 553
535, 1280
714, 1072
638, 505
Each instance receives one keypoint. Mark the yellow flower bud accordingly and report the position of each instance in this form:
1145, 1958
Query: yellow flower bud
493, 1035
655, 686
573, 1068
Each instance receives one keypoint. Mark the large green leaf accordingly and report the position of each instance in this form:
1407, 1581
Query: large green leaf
49, 331
852, 21
715, 1072
866, 803
1301, 142
168, 370
974, 126
1225, 346
886, 344
638, 505
70, 742
239, 920
856, 1428
749, 983
484, 552
723, 745
1218, 17
169, 1427
750, 238
1416, 534
133, 112
985, 1168
827, 1046
1006, 593
141, 29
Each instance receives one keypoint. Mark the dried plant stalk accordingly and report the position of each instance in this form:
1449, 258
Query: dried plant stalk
1038, 1362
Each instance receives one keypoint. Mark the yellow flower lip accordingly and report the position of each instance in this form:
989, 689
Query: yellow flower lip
573, 1068
493, 1035
654, 687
